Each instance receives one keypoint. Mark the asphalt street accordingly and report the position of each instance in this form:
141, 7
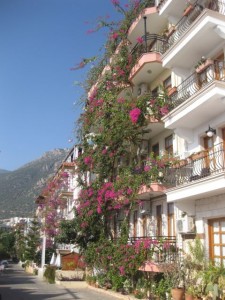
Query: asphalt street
15, 284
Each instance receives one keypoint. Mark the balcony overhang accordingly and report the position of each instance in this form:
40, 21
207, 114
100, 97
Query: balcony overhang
205, 187
193, 44
155, 189
171, 9
149, 66
155, 24
153, 128
206, 104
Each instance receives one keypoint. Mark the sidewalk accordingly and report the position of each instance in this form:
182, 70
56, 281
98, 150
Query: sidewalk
83, 284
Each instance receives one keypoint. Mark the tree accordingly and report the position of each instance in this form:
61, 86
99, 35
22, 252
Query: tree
32, 240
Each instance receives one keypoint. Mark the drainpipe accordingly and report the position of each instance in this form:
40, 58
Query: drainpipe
145, 31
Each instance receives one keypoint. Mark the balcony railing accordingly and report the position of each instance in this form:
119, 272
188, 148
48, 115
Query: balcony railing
68, 247
151, 43
186, 21
165, 247
197, 81
184, 24
209, 162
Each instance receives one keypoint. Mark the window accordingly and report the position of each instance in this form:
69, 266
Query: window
155, 92
167, 83
217, 240
169, 144
155, 149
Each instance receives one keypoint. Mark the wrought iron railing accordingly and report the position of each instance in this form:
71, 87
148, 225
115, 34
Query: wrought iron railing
151, 43
165, 247
64, 246
184, 24
197, 81
209, 162
186, 21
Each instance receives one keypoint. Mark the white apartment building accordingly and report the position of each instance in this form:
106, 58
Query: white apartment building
183, 52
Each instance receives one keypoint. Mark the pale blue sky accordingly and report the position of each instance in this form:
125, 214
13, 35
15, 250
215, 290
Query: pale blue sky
40, 40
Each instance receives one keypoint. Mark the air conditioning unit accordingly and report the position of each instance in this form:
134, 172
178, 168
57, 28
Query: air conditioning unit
144, 212
142, 89
143, 149
185, 224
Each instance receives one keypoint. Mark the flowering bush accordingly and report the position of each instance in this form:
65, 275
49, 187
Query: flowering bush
110, 127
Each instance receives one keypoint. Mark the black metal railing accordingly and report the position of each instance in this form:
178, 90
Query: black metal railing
165, 247
197, 81
209, 162
184, 24
186, 21
151, 43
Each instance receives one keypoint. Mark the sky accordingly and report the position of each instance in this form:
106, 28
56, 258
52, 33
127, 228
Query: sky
40, 41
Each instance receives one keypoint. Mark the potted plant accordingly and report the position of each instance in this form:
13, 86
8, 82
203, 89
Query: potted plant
188, 9
203, 64
211, 279
198, 155
194, 262
174, 273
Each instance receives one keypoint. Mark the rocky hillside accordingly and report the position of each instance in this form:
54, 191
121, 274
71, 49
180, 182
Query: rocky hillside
19, 188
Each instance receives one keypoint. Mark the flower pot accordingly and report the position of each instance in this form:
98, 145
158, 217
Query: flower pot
177, 293
199, 155
183, 162
188, 10
204, 65
172, 91
189, 297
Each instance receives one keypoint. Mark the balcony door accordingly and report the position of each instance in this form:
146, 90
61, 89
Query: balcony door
219, 67
159, 220
135, 221
144, 225
217, 240
209, 159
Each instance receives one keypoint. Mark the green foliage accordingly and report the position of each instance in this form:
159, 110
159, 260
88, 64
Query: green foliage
67, 231
7, 244
32, 240
211, 280
48, 256
49, 274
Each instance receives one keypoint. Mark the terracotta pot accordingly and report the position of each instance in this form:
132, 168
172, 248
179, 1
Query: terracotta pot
188, 10
204, 65
189, 297
177, 293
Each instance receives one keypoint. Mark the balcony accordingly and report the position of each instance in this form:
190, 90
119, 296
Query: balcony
198, 98
148, 58
68, 165
167, 247
189, 38
154, 22
155, 189
202, 175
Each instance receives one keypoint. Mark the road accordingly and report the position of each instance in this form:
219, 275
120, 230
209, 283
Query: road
15, 284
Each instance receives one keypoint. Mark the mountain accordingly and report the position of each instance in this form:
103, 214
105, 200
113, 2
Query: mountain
3, 171
19, 188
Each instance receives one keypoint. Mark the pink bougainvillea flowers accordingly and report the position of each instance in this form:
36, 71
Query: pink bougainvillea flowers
134, 115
